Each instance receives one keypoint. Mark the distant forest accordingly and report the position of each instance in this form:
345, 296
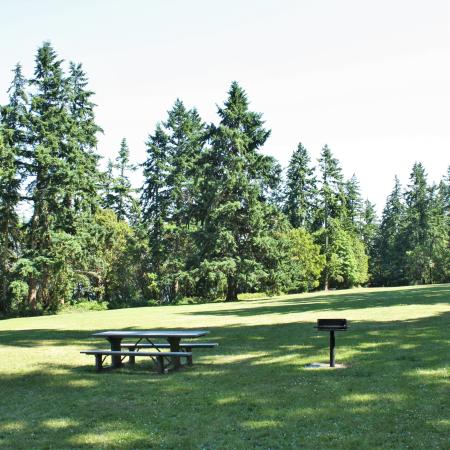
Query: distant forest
214, 218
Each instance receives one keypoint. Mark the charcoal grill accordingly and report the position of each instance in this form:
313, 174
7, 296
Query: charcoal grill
332, 325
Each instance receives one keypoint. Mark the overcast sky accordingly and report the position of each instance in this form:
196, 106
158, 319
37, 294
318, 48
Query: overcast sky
369, 78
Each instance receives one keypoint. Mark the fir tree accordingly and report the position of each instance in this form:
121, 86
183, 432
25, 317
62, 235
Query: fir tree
435, 250
13, 119
300, 189
62, 170
425, 233
332, 203
353, 204
169, 195
9, 222
369, 231
82, 159
185, 131
237, 241
154, 198
118, 189
390, 241
439, 234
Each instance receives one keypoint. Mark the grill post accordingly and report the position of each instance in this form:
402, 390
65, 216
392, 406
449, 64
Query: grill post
332, 325
332, 349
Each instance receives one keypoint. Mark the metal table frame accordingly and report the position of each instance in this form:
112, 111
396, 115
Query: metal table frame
173, 337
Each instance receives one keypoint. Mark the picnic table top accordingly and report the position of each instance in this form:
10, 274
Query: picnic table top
153, 333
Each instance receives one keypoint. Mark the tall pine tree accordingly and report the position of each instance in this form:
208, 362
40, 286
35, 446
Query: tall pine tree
169, 195
353, 205
424, 231
390, 240
237, 240
118, 189
300, 191
331, 204
62, 173
13, 119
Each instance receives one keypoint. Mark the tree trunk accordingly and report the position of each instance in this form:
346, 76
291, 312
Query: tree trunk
327, 262
232, 294
32, 293
4, 267
4, 294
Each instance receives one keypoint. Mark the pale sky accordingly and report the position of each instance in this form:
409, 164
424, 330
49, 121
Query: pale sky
369, 78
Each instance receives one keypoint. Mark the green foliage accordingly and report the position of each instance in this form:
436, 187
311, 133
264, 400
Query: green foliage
369, 231
238, 233
353, 205
306, 262
300, 191
412, 246
390, 244
51, 137
347, 262
168, 201
118, 191
12, 152
213, 219
112, 266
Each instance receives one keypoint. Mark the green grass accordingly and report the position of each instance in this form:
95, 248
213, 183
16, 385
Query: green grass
251, 392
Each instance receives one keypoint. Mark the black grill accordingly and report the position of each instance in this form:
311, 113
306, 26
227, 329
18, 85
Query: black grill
332, 325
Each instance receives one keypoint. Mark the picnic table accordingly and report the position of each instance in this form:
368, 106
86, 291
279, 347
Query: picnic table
173, 337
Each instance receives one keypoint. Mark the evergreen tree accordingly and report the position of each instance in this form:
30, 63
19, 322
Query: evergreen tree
13, 119
81, 189
331, 204
390, 241
353, 204
118, 190
169, 195
300, 191
417, 206
369, 232
439, 234
425, 232
108, 192
185, 131
9, 222
237, 240
62, 171
154, 198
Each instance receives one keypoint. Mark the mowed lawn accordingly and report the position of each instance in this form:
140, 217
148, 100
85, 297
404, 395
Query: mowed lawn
251, 392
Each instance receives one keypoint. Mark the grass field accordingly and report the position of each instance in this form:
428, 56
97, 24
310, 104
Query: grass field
251, 392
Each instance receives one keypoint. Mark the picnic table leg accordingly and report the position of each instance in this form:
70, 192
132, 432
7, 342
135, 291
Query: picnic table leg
116, 360
98, 362
131, 358
188, 358
175, 347
160, 364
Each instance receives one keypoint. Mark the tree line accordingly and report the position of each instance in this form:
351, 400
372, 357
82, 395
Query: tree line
215, 217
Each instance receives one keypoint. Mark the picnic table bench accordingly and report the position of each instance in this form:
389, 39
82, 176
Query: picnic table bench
159, 357
185, 346
143, 341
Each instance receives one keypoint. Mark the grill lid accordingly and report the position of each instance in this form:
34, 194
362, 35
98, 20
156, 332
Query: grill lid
331, 324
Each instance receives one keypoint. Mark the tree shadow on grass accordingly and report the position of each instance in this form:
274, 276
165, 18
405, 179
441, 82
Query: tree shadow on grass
252, 391
344, 301
57, 337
